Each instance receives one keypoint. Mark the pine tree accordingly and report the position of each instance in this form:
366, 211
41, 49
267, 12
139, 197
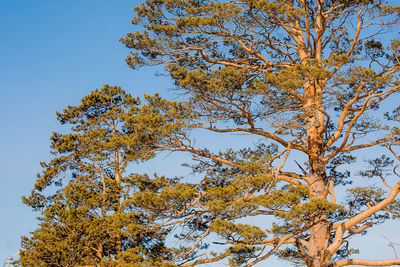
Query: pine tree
83, 192
309, 78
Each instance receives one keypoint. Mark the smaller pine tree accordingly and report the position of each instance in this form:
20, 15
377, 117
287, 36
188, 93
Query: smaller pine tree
83, 193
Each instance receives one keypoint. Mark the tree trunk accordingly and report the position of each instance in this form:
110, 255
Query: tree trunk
319, 232
314, 122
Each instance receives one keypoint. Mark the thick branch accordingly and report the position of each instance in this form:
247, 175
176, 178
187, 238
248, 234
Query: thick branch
282, 241
220, 257
257, 132
367, 213
343, 227
366, 262
377, 142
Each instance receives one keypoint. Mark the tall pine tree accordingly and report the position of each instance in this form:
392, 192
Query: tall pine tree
309, 79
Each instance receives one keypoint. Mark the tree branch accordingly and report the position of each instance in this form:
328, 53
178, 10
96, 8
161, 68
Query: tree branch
366, 262
343, 227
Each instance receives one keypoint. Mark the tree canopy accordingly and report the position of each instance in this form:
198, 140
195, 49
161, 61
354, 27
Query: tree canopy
83, 192
312, 81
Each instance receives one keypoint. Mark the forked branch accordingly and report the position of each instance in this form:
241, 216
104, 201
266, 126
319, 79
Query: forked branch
345, 226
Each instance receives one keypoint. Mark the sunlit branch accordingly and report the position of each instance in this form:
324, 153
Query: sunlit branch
366, 262
257, 132
367, 103
343, 227
283, 240
353, 45
195, 245
210, 260
391, 151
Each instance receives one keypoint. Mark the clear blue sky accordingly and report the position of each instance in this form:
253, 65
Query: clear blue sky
52, 53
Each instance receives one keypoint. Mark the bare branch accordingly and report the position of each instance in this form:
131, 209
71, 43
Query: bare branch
366, 262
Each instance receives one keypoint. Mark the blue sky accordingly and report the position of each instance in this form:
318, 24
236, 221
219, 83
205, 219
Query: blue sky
52, 53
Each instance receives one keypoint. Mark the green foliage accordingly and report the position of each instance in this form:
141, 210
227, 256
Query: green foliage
304, 76
86, 221
304, 79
